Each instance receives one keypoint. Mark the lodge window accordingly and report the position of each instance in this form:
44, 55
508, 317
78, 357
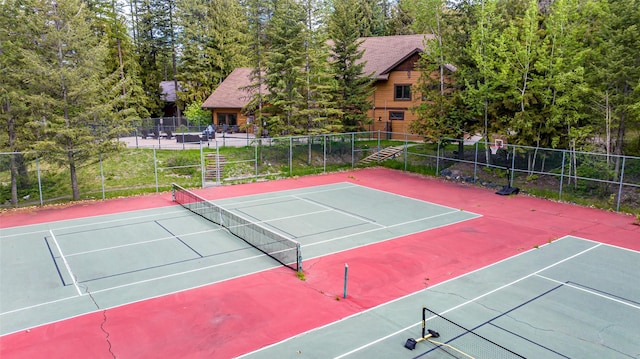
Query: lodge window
402, 92
230, 119
396, 116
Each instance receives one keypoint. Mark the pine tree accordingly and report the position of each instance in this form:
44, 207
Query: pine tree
372, 17
320, 112
258, 15
110, 24
16, 135
213, 42
354, 87
400, 19
72, 95
153, 46
285, 77
437, 115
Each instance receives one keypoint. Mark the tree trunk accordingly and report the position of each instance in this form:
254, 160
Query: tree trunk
14, 179
74, 176
13, 164
619, 142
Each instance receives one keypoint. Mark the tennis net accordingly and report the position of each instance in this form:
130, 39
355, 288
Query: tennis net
284, 250
457, 341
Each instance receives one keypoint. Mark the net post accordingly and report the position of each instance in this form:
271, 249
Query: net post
298, 258
346, 278
424, 321
173, 192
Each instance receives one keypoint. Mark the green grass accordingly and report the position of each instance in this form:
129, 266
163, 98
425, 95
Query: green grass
133, 171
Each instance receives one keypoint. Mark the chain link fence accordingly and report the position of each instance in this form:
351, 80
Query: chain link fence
152, 165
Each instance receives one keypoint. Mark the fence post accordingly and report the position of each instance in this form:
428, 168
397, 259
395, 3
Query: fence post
255, 155
378, 149
562, 175
203, 167
324, 153
39, 180
406, 145
102, 176
621, 184
475, 164
438, 158
217, 164
155, 168
513, 166
353, 150
290, 156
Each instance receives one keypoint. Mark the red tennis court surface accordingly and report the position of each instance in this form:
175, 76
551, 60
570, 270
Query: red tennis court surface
237, 316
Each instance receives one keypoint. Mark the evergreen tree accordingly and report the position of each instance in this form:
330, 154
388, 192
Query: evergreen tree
614, 74
438, 115
213, 42
320, 112
354, 87
108, 23
372, 17
560, 71
258, 15
17, 130
153, 45
285, 77
72, 96
479, 91
401, 19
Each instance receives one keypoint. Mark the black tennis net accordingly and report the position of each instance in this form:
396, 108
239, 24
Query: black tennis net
457, 341
284, 250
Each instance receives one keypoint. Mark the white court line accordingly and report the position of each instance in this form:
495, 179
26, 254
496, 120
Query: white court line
339, 211
590, 292
288, 217
73, 278
411, 198
37, 305
285, 195
182, 235
154, 279
92, 224
608, 245
144, 299
387, 227
144, 242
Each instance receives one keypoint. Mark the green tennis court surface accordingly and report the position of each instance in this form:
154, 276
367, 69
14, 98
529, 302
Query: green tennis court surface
572, 298
59, 270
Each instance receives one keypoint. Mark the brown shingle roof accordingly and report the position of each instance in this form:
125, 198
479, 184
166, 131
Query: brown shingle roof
382, 54
232, 92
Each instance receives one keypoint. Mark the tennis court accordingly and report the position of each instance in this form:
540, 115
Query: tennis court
571, 298
145, 276
64, 268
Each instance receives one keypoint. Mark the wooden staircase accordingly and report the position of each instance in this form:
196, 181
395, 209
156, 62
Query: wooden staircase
212, 166
383, 154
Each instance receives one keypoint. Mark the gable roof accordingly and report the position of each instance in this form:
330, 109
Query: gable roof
382, 54
231, 93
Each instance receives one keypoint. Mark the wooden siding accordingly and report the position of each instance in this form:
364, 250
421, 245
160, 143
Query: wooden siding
384, 102
241, 117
